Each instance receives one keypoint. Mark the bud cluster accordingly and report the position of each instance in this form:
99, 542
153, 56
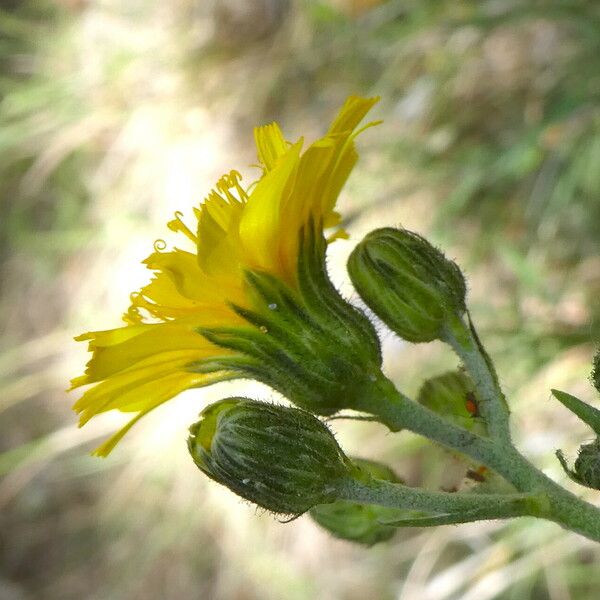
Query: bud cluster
304, 340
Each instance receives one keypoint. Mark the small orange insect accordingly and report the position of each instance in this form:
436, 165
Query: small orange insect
471, 404
479, 474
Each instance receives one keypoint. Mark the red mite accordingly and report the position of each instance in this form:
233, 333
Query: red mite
478, 475
471, 404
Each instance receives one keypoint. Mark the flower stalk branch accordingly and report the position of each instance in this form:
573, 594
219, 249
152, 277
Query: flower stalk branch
465, 342
448, 507
397, 411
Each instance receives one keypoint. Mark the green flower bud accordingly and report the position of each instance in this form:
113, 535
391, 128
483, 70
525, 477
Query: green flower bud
595, 377
408, 283
587, 465
452, 395
304, 340
361, 523
586, 470
283, 459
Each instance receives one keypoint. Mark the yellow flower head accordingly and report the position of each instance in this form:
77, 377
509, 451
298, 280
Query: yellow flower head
194, 323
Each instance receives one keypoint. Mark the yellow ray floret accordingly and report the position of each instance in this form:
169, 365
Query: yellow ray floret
296, 187
137, 367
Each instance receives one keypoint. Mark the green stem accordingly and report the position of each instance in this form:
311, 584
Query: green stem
397, 411
565, 508
460, 507
465, 342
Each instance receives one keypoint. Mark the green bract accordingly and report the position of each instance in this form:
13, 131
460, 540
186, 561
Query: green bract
283, 459
408, 283
356, 522
452, 395
305, 341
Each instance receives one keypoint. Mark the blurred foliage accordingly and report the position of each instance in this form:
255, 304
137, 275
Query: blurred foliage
491, 143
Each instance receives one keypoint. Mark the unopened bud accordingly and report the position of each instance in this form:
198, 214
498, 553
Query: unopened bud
587, 465
283, 459
595, 377
452, 395
408, 283
586, 469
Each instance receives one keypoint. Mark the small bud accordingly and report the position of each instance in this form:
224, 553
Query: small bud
586, 470
408, 283
361, 523
452, 395
587, 465
595, 376
283, 459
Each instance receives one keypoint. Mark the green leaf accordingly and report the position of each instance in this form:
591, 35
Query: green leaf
505, 508
585, 412
428, 520
360, 523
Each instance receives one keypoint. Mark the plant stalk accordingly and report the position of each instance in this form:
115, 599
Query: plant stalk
397, 411
465, 342
443, 504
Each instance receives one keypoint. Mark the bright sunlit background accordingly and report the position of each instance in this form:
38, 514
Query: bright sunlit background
115, 114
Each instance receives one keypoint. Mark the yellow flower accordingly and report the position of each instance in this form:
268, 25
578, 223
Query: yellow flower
160, 351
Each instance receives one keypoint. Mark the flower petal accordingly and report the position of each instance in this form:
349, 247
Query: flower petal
219, 249
263, 224
352, 113
270, 144
155, 392
113, 354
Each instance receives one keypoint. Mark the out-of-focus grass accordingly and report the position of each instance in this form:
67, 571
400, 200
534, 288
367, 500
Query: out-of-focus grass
113, 115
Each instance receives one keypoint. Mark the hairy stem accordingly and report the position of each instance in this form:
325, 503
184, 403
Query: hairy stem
443, 504
465, 342
397, 411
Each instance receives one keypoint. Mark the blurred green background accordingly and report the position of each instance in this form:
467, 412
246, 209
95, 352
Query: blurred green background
115, 114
